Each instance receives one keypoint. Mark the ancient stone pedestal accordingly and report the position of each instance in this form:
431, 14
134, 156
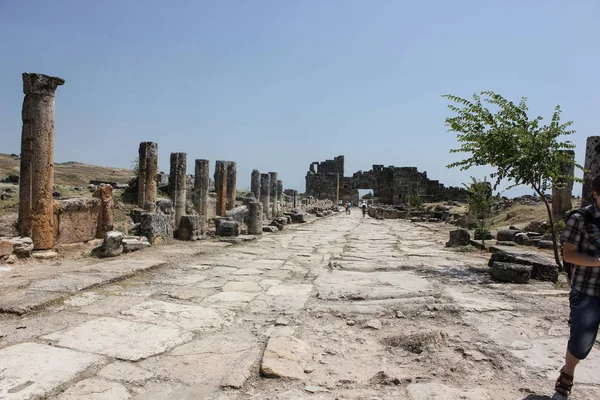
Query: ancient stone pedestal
563, 188
190, 227
37, 159
106, 218
156, 227
148, 167
201, 184
255, 219
265, 193
255, 184
221, 187
231, 184
592, 165
76, 220
273, 193
177, 185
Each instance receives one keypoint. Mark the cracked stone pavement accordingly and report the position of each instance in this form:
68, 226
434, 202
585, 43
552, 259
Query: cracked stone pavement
342, 308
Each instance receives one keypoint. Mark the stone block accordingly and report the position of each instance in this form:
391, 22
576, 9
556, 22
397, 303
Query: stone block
112, 246
190, 227
543, 267
19, 246
545, 244
479, 235
276, 224
270, 229
459, 237
507, 235
134, 243
299, 218
537, 226
238, 213
164, 206
136, 215
76, 220
227, 228
156, 227
281, 220
509, 272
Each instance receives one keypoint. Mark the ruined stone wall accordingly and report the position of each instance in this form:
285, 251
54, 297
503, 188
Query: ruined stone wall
391, 185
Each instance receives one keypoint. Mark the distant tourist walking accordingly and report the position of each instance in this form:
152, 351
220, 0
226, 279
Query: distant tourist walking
581, 256
348, 208
364, 209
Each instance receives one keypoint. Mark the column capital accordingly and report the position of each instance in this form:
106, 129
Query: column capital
41, 84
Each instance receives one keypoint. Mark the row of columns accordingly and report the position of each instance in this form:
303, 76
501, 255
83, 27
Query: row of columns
225, 185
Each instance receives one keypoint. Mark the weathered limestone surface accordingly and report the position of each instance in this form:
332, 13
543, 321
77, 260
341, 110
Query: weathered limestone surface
31, 370
265, 193
255, 219
156, 227
255, 183
76, 219
106, 217
96, 389
177, 185
37, 159
112, 245
148, 168
190, 227
201, 184
273, 194
563, 189
231, 184
221, 187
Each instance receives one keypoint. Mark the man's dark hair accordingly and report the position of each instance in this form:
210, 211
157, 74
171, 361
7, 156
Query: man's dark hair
596, 184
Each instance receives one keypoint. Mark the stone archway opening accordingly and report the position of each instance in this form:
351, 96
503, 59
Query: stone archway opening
365, 195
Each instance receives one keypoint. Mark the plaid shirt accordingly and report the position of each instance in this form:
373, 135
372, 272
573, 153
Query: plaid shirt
587, 238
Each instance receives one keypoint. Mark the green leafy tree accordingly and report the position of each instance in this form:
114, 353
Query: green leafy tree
135, 165
415, 201
522, 150
367, 196
480, 199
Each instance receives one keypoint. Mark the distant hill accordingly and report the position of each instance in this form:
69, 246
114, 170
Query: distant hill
70, 173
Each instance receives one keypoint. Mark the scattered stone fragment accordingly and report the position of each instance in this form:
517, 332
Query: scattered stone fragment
44, 254
315, 389
400, 314
134, 243
350, 322
112, 246
285, 357
507, 235
544, 267
282, 321
373, 324
459, 237
270, 229
190, 227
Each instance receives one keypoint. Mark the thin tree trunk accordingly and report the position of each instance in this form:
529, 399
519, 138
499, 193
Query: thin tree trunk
555, 245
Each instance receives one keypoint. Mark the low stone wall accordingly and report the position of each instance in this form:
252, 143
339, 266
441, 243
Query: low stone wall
75, 220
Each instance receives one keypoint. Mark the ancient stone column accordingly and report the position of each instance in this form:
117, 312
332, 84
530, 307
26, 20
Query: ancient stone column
37, 159
561, 197
592, 164
265, 192
221, 187
148, 168
177, 184
255, 218
255, 184
106, 218
273, 193
201, 184
231, 184
280, 192
294, 200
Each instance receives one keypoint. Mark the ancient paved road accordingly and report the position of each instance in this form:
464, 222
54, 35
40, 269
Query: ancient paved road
343, 308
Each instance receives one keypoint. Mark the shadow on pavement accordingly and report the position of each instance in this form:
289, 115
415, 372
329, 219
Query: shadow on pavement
537, 397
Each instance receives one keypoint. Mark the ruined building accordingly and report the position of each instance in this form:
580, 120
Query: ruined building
390, 185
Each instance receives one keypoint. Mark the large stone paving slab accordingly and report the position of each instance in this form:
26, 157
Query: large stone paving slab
121, 339
31, 370
224, 360
231, 300
187, 316
344, 285
96, 389
427, 391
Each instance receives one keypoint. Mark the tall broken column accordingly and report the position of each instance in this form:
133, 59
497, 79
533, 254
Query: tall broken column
37, 159
148, 167
255, 184
592, 168
201, 184
294, 199
280, 196
562, 190
177, 185
265, 192
221, 187
255, 218
231, 184
273, 193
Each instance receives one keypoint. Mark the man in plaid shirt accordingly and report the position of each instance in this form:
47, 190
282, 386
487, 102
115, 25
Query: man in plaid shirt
582, 249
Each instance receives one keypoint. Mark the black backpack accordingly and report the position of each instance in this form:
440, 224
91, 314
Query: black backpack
588, 218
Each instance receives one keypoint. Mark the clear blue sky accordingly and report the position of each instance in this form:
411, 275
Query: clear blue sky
275, 85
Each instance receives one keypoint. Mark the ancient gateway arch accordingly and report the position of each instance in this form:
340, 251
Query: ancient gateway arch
391, 185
